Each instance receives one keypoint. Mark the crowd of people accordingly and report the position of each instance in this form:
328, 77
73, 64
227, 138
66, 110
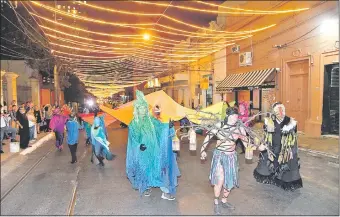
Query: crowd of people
26, 120
151, 161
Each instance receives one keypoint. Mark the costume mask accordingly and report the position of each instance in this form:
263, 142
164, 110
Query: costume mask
279, 111
140, 106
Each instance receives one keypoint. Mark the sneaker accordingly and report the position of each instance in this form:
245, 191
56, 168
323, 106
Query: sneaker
227, 205
217, 210
72, 162
147, 193
167, 196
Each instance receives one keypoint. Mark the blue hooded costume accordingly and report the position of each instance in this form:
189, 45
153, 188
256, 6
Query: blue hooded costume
150, 161
100, 144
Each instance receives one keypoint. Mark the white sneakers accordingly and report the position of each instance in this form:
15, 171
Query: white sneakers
167, 196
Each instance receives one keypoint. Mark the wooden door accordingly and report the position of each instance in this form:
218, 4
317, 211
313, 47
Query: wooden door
297, 92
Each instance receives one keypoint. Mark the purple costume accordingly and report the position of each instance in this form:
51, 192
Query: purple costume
57, 124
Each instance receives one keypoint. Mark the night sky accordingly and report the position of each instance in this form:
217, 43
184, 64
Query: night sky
197, 18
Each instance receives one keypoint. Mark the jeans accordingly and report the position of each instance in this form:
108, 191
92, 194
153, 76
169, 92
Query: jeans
32, 129
164, 190
73, 150
7, 130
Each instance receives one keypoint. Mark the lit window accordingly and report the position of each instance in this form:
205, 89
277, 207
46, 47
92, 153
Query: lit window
59, 6
84, 2
69, 7
74, 8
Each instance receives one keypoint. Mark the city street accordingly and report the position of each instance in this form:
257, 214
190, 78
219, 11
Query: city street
55, 187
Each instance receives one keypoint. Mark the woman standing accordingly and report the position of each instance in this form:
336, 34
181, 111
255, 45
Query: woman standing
22, 121
31, 123
48, 116
37, 115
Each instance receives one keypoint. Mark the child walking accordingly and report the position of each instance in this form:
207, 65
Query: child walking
72, 127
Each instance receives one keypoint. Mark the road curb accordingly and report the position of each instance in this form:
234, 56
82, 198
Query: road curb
319, 153
37, 144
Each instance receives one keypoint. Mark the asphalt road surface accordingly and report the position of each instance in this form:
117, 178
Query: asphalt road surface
50, 185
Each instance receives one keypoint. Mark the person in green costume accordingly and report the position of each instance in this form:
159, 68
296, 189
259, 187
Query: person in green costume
150, 161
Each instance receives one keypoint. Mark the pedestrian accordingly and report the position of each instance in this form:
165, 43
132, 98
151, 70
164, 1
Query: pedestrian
48, 116
31, 124
224, 165
72, 128
38, 117
4, 107
57, 124
22, 121
13, 115
5, 128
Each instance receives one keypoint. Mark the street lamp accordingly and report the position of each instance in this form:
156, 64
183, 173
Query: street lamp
146, 36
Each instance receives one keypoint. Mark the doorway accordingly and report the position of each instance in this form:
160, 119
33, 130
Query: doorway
330, 109
297, 91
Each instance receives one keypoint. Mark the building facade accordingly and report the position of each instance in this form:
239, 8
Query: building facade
21, 83
304, 47
295, 62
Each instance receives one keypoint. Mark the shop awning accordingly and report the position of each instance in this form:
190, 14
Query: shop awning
255, 79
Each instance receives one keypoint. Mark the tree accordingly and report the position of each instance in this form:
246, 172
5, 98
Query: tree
76, 92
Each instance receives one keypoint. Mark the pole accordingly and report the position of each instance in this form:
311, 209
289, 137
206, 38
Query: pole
56, 85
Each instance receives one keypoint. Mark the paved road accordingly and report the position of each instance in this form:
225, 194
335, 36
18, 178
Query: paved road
55, 187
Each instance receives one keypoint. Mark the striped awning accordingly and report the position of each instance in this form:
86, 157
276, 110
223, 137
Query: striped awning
254, 79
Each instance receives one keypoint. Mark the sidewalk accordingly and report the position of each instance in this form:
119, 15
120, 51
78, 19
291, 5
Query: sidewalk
6, 147
328, 146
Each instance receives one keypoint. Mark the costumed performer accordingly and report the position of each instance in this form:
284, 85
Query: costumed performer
100, 144
243, 111
224, 165
147, 165
281, 138
72, 128
57, 124
169, 168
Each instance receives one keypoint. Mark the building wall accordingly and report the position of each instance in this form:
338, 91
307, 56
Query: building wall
20, 68
311, 38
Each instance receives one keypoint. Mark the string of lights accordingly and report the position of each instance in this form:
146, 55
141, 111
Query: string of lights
125, 25
242, 12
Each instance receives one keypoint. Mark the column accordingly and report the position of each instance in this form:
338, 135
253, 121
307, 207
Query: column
35, 90
11, 78
2, 92
56, 86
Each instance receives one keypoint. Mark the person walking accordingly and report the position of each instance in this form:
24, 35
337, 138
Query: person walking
57, 124
72, 128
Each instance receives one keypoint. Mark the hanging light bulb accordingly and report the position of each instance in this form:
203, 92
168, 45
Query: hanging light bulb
146, 36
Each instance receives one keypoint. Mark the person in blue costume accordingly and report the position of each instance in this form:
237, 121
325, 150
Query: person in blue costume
100, 144
73, 127
150, 161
